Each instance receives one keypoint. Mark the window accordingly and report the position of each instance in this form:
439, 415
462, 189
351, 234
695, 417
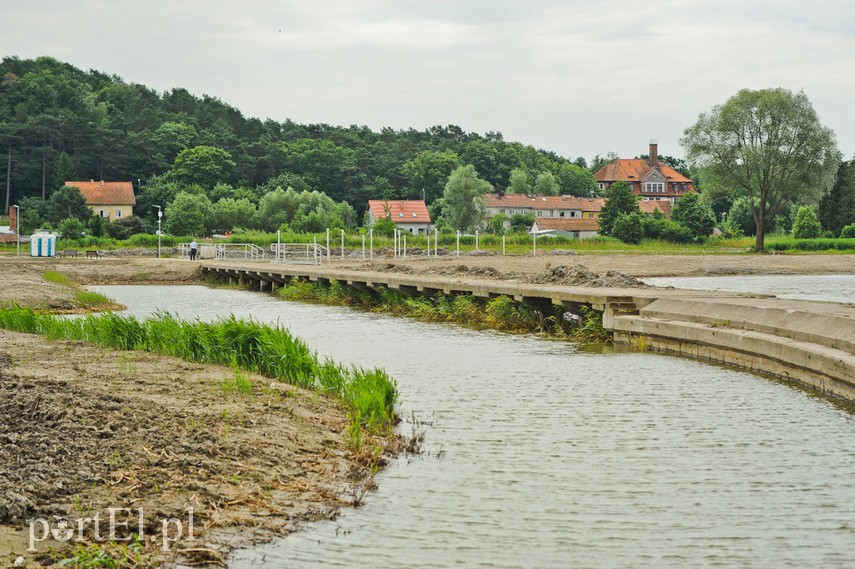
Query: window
655, 187
590, 216
560, 214
539, 214
118, 213
101, 212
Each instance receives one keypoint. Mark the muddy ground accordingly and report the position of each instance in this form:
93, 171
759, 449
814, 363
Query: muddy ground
84, 429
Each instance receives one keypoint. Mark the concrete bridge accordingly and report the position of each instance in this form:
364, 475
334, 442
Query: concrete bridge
811, 343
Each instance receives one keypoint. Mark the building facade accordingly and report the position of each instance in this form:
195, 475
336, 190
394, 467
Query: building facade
110, 200
650, 178
551, 207
408, 215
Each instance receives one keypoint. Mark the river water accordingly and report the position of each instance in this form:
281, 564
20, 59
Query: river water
544, 455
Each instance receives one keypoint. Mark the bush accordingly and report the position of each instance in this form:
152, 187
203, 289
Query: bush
629, 228
848, 232
71, 228
806, 225
691, 212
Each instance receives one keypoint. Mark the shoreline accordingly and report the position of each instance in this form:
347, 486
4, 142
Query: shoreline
137, 431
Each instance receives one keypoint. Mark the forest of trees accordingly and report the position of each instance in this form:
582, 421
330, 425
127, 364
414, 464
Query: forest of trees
60, 123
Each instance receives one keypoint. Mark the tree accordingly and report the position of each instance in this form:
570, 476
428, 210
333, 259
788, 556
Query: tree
599, 161
545, 184
740, 217
620, 200
769, 142
71, 228
202, 165
497, 223
229, 213
125, 227
806, 225
428, 172
462, 207
629, 228
519, 182
187, 214
67, 202
576, 181
521, 222
693, 213
837, 207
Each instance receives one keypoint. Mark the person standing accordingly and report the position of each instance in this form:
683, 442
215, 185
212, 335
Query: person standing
194, 247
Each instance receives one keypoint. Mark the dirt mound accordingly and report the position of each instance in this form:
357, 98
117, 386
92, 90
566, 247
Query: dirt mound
580, 275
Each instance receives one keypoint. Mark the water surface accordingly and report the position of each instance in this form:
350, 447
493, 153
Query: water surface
553, 457
831, 288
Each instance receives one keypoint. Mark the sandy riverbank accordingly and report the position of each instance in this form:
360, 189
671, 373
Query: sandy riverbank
84, 429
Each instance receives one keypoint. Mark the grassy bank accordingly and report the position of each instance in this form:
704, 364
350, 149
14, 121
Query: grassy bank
370, 395
500, 313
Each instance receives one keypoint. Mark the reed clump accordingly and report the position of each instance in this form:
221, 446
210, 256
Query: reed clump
500, 313
249, 345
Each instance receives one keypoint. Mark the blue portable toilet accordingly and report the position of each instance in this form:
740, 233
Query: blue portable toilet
42, 245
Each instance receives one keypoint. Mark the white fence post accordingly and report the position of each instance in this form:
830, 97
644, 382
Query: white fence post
435, 242
458, 242
404, 248
371, 243
476, 240
363, 246
342, 244
534, 251
503, 244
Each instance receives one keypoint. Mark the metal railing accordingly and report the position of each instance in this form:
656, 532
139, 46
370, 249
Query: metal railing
299, 253
231, 251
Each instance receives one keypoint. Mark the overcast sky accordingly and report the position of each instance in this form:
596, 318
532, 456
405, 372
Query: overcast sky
576, 77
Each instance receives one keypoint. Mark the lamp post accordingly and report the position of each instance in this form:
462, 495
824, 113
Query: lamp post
18, 227
159, 219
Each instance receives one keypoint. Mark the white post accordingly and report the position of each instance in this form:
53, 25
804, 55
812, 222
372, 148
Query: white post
395, 244
329, 260
315, 249
435, 242
278, 243
534, 251
503, 244
17, 229
404, 249
342, 244
363, 246
427, 234
458, 242
371, 243
476, 240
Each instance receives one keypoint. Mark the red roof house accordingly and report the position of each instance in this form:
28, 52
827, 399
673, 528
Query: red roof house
112, 200
650, 179
410, 215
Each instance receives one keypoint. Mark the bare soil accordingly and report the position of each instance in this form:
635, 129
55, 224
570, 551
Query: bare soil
84, 429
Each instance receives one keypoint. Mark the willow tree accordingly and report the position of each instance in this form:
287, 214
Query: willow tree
768, 143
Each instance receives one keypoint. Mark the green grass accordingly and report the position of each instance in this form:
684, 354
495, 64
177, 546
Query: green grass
370, 395
83, 298
109, 556
56, 277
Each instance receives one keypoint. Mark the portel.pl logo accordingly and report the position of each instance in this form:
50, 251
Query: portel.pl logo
118, 528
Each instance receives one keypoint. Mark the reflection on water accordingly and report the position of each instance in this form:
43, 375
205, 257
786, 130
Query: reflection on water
558, 458
830, 288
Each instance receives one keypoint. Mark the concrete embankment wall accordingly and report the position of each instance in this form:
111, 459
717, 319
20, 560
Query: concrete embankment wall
809, 343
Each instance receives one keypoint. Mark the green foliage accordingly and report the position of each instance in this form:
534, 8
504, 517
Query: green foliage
519, 182
546, 185
620, 201
188, 214
740, 217
247, 345
461, 208
848, 232
67, 202
591, 329
97, 226
384, 227
628, 227
806, 225
521, 222
657, 227
229, 213
576, 181
125, 227
691, 212
497, 223
769, 143
202, 165
71, 228
304, 211
837, 207
429, 171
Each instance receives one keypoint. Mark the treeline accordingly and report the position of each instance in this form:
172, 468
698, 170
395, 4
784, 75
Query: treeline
60, 123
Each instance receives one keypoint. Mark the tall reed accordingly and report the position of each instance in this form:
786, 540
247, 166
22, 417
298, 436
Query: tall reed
271, 351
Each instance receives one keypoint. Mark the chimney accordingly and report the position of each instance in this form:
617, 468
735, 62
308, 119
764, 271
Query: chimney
654, 152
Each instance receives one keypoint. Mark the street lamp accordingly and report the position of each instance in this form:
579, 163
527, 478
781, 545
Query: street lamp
159, 219
18, 227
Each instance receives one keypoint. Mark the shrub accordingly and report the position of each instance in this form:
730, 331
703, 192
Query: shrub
628, 228
848, 232
806, 225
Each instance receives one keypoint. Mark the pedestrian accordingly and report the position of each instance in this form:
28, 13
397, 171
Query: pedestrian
193, 248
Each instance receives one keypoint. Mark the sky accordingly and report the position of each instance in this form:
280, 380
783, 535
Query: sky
579, 78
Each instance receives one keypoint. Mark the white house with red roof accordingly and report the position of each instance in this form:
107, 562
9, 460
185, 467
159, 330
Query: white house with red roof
111, 200
650, 179
409, 215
